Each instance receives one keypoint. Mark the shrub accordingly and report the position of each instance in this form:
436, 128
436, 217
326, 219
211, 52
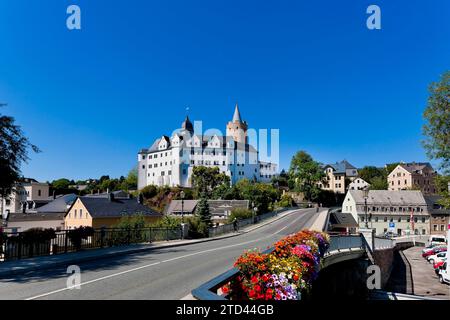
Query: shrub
136, 221
240, 214
76, 236
197, 228
149, 191
167, 222
286, 201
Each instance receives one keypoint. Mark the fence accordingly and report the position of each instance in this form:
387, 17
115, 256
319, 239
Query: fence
16, 246
228, 228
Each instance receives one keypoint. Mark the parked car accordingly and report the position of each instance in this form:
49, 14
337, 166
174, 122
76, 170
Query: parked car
433, 251
390, 235
437, 257
444, 276
437, 240
438, 266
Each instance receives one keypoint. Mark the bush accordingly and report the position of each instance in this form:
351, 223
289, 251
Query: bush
197, 228
149, 191
286, 201
37, 235
240, 214
76, 236
136, 221
167, 222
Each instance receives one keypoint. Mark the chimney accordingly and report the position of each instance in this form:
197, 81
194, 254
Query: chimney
111, 197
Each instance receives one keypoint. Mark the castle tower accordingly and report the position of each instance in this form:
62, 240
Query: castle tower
237, 128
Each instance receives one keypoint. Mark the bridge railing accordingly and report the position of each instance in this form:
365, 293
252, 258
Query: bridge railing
211, 289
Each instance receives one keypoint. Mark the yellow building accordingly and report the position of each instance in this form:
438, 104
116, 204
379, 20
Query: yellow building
98, 212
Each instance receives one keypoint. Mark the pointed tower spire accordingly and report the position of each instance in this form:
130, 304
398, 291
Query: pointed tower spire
237, 114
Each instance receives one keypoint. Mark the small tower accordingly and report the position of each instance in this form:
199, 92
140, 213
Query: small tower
187, 126
237, 128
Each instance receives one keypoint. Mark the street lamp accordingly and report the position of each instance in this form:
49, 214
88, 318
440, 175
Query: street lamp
182, 205
366, 196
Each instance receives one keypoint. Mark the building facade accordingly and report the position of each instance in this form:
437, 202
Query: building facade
413, 176
358, 184
105, 212
28, 196
400, 212
336, 175
170, 160
440, 217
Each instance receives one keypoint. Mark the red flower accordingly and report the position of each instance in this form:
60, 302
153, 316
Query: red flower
252, 294
225, 290
254, 280
258, 288
295, 277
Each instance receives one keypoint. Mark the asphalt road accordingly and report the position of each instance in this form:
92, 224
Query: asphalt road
162, 274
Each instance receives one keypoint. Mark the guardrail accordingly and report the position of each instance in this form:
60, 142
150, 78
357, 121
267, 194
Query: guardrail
209, 290
228, 228
17, 246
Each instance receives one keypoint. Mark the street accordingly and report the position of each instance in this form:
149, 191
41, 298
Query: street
162, 274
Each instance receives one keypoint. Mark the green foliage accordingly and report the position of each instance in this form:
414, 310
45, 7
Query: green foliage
379, 183
305, 174
240, 214
442, 183
286, 201
136, 221
167, 222
197, 229
37, 235
76, 236
14, 148
437, 126
262, 195
202, 211
370, 172
206, 179
149, 191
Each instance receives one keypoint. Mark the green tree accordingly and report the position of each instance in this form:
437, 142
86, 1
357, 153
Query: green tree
206, 179
202, 211
132, 179
136, 221
14, 147
306, 173
437, 128
370, 172
61, 184
378, 183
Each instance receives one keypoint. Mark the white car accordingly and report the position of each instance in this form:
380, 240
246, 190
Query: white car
437, 257
444, 276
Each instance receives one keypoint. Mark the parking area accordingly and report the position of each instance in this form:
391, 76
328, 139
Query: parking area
425, 281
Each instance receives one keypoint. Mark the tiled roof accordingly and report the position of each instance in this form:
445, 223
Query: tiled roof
60, 204
105, 208
385, 197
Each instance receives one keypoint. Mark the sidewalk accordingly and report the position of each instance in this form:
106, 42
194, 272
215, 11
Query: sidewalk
16, 267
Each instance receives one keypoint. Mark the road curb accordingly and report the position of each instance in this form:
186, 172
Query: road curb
49, 265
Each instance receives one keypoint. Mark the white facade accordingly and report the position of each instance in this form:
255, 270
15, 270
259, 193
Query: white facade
170, 160
358, 184
401, 212
28, 195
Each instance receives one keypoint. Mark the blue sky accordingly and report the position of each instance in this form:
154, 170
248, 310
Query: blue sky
91, 99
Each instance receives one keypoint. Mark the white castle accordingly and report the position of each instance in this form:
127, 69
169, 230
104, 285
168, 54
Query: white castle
170, 161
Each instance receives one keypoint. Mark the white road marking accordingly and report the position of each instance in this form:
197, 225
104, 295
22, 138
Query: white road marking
164, 261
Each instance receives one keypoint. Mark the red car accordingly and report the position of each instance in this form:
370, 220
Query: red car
437, 266
435, 250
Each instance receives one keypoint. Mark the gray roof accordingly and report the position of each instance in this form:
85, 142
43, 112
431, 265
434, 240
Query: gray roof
415, 167
434, 207
343, 220
48, 216
120, 194
105, 208
188, 206
60, 204
237, 114
385, 197
341, 167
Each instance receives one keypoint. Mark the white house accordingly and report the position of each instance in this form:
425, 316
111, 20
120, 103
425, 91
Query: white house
358, 184
401, 212
170, 160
